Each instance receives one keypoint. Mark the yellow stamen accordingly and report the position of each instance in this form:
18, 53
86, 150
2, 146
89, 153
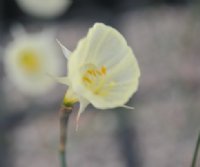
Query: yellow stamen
98, 72
96, 81
90, 71
86, 79
103, 70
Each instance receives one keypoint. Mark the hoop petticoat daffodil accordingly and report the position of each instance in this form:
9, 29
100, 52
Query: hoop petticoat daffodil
27, 59
102, 70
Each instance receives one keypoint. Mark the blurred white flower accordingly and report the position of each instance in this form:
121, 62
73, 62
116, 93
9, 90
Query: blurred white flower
28, 59
102, 70
44, 8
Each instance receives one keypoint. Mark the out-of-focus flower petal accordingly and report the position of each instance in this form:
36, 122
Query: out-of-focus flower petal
44, 8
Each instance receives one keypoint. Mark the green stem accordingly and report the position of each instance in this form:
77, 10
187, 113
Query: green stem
63, 159
64, 118
196, 152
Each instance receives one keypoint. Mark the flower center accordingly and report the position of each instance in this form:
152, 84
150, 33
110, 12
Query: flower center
29, 61
95, 79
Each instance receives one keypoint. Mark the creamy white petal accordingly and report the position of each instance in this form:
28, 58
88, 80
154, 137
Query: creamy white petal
83, 104
66, 52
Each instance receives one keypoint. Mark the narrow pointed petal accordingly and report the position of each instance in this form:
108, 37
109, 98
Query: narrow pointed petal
83, 104
62, 80
128, 107
66, 52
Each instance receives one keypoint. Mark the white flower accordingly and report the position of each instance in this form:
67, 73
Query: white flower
28, 59
44, 8
102, 70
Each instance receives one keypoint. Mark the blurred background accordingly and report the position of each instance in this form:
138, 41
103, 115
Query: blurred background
163, 128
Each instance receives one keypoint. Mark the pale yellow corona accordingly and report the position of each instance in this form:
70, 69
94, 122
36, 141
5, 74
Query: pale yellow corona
29, 61
102, 70
95, 80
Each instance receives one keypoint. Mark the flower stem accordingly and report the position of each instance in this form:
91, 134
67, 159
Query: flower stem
196, 152
65, 112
